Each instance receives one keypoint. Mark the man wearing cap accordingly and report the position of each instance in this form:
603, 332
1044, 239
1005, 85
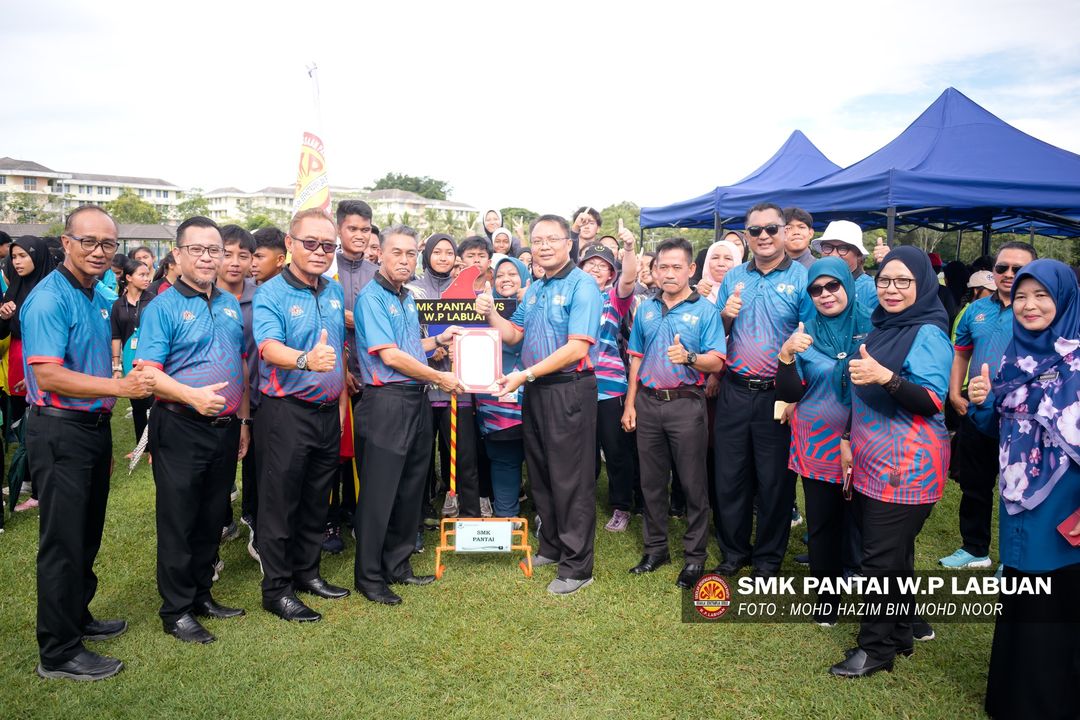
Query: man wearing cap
394, 420
299, 320
798, 232
677, 341
981, 283
763, 301
559, 322
844, 239
71, 392
192, 341
982, 334
599, 262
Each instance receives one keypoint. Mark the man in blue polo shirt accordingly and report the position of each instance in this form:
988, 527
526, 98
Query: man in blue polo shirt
298, 437
982, 335
71, 391
677, 340
763, 301
558, 322
192, 341
394, 433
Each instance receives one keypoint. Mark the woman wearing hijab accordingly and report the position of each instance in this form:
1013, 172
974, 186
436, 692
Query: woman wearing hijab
134, 279
899, 447
500, 417
30, 262
492, 221
812, 373
721, 257
1034, 405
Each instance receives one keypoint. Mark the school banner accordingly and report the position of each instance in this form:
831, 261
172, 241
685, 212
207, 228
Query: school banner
312, 183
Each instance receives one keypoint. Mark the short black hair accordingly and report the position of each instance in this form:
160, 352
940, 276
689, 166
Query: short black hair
677, 243
234, 234
592, 211
4, 238
346, 208
131, 253
1018, 245
792, 214
198, 221
86, 208
765, 206
270, 237
375, 232
551, 218
472, 243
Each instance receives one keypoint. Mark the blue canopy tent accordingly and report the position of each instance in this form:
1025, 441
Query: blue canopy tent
956, 167
797, 162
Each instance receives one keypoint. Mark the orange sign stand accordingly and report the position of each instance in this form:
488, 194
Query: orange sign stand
519, 541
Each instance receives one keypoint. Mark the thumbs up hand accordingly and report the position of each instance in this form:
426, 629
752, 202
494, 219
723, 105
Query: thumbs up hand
797, 343
979, 386
880, 250
485, 301
865, 370
733, 304
322, 357
676, 353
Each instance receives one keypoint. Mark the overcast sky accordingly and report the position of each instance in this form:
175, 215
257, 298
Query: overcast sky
543, 105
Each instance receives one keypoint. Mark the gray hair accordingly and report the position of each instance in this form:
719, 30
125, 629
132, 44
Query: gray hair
400, 229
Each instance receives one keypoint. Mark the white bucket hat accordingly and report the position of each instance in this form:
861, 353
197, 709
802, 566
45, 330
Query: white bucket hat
843, 231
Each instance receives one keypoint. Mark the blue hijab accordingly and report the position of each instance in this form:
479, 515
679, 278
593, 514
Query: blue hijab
894, 333
839, 337
518, 265
1038, 390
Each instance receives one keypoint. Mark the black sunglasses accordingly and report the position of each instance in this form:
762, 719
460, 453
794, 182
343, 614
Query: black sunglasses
1002, 268
832, 286
311, 245
755, 230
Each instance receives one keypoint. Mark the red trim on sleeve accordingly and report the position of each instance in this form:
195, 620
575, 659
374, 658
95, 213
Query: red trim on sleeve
159, 366
264, 343
586, 338
44, 360
519, 328
634, 354
963, 348
374, 350
935, 398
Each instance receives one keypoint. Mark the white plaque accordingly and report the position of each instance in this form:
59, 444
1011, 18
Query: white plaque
491, 536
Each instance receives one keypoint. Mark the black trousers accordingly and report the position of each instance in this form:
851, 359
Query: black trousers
1035, 656
976, 466
140, 411
618, 450
827, 516
249, 479
70, 462
751, 461
298, 456
468, 468
889, 531
393, 436
559, 426
344, 487
194, 468
673, 429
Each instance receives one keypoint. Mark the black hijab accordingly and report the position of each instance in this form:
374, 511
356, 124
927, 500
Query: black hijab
439, 281
890, 341
44, 263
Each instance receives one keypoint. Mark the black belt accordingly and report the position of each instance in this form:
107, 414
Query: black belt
689, 392
84, 418
752, 383
400, 387
317, 407
192, 414
562, 377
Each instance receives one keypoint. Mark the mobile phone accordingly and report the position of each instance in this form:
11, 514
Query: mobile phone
847, 484
1067, 525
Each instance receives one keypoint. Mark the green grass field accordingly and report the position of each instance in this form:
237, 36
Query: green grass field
484, 641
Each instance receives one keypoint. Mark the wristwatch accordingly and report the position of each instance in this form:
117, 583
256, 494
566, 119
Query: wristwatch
245, 421
529, 377
691, 358
301, 361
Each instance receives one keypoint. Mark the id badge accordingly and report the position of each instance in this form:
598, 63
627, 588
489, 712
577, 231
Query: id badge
134, 343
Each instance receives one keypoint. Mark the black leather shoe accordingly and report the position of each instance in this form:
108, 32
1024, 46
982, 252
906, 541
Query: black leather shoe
414, 580
727, 569
104, 629
690, 575
86, 665
906, 652
188, 629
761, 572
649, 563
385, 596
211, 609
289, 607
859, 664
318, 586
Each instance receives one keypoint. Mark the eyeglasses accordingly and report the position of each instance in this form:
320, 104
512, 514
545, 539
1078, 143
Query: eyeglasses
771, 229
196, 251
1002, 268
90, 244
832, 286
900, 283
312, 244
542, 241
840, 249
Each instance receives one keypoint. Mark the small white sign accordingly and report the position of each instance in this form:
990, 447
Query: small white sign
482, 536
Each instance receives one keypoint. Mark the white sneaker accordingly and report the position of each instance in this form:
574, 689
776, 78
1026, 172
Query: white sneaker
485, 507
450, 506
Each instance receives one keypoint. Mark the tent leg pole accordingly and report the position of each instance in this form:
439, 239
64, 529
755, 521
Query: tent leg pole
959, 238
890, 226
986, 239
718, 227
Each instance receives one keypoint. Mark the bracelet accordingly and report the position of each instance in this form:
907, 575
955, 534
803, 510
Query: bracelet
893, 385
780, 358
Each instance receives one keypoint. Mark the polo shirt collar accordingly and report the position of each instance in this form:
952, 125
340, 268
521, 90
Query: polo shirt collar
388, 286
300, 284
784, 265
189, 291
693, 297
563, 272
88, 292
